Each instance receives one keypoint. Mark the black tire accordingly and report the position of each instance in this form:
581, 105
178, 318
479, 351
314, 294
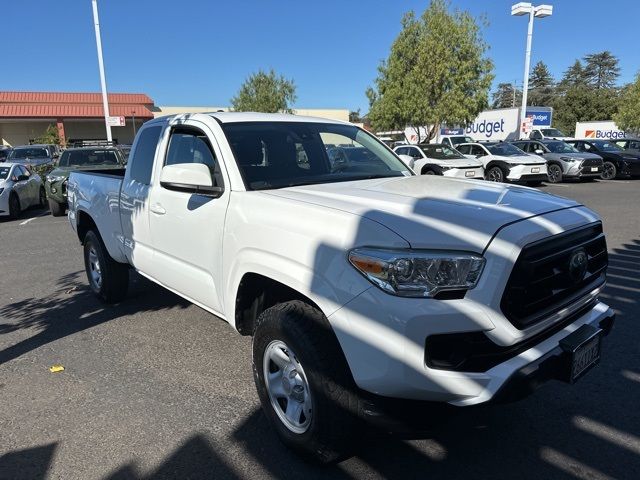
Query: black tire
14, 206
554, 173
43, 198
114, 276
336, 405
57, 209
609, 172
495, 174
428, 171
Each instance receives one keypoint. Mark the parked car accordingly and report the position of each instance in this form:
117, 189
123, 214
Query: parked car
617, 161
20, 189
363, 287
34, 155
504, 162
454, 140
563, 160
126, 150
86, 158
627, 143
547, 133
439, 159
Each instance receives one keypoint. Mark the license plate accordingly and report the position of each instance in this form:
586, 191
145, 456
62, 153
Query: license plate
583, 349
594, 169
535, 170
470, 174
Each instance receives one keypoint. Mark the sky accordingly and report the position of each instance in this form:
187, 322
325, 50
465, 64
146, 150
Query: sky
198, 52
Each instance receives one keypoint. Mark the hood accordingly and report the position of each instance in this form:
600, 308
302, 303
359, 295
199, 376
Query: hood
456, 162
432, 211
520, 159
583, 155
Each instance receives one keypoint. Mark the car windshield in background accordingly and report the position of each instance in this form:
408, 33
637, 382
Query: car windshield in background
560, 147
288, 154
18, 153
505, 149
607, 146
82, 158
4, 172
441, 152
552, 132
459, 140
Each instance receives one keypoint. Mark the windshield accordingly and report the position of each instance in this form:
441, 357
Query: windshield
441, 152
29, 153
607, 146
4, 172
458, 140
79, 158
560, 147
287, 154
552, 132
505, 149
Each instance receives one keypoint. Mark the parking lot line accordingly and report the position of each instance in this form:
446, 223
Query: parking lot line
28, 220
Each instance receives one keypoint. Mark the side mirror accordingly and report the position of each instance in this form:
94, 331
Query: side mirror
539, 152
189, 178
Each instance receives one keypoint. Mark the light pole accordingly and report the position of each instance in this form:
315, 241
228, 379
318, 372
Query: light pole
103, 82
540, 11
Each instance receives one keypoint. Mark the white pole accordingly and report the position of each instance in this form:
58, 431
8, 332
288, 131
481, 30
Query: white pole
103, 82
527, 61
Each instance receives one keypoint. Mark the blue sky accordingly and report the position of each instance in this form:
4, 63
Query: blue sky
197, 52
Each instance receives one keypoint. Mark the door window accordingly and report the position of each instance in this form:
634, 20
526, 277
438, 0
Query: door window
415, 153
535, 135
464, 149
141, 163
477, 150
192, 146
402, 151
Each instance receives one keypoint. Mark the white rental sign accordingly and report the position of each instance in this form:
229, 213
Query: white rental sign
116, 121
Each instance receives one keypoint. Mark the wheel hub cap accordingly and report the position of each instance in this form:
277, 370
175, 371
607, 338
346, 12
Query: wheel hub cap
287, 386
94, 268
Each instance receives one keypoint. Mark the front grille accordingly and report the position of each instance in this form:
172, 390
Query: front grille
592, 162
542, 282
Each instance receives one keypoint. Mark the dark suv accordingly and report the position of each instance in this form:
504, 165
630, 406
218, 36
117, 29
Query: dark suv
617, 161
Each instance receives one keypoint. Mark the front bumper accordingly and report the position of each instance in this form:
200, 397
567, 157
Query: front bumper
57, 191
469, 173
528, 172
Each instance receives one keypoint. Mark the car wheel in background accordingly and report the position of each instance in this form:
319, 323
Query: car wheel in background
609, 171
14, 206
108, 279
57, 209
554, 172
304, 382
43, 198
428, 171
495, 174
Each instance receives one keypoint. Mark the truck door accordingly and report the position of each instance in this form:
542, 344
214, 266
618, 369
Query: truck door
134, 199
187, 228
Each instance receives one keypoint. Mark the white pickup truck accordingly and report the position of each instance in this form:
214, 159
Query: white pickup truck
364, 286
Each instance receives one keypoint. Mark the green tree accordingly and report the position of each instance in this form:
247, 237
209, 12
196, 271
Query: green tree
541, 86
573, 76
354, 116
506, 96
50, 136
582, 103
601, 69
436, 73
628, 115
265, 92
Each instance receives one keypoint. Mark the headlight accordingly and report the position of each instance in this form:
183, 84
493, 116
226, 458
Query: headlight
55, 178
570, 159
417, 273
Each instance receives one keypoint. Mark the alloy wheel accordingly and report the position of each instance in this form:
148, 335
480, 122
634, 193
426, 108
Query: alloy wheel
95, 269
609, 171
495, 175
554, 173
287, 386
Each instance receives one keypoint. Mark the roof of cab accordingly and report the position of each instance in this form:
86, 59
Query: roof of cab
235, 117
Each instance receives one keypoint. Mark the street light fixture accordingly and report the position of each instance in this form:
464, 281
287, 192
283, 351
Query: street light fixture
540, 11
103, 82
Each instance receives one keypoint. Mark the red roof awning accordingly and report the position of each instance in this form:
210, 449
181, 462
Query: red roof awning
68, 98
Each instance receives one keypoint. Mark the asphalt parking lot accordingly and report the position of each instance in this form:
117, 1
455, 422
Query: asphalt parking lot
157, 388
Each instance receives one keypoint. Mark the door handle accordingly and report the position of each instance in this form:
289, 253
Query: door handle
157, 209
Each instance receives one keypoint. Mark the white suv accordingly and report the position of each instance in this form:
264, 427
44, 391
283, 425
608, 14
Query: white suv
505, 162
439, 159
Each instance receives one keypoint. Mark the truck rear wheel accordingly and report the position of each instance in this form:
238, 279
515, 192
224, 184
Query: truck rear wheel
304, 382
108, 279
57, 209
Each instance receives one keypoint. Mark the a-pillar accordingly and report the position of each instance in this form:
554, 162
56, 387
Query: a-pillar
60, 126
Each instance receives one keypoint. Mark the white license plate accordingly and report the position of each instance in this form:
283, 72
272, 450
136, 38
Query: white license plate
594, 169
535, 170
470, 174
585, 357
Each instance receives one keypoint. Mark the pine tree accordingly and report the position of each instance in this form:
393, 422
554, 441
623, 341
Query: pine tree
601, 69
541, 86
506, 96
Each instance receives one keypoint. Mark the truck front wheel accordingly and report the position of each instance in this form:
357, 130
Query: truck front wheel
304, 382
108, 279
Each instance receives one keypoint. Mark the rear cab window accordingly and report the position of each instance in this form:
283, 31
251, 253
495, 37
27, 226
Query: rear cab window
141, 160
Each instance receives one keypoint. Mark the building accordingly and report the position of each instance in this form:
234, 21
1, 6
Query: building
24, 116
